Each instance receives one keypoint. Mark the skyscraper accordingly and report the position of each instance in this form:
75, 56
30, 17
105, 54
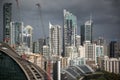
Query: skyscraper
69, 30
82, 32
41, 44
55, 49
7, 14
86, 31
90, 51
55, 39
28, 31
114, 49
16, 33
99, 52
36, 47
78, 40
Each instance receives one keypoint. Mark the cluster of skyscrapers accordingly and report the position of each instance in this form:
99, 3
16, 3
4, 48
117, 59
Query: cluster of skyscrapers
14, 32
70, 48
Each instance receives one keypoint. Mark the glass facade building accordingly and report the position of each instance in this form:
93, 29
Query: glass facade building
69, 29
16, 33
86, 31
7, 14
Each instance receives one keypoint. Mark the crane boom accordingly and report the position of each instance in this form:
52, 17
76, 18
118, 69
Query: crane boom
42, 24
41, 19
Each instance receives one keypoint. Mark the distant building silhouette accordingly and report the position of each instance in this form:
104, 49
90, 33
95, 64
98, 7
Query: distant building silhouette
114, 49
7, 16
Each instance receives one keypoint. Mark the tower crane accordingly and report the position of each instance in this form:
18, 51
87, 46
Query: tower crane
41, 20
44, 37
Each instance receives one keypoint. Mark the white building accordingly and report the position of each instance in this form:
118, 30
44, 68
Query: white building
71, 52
78, 40
55, 39
27, 33
75, 57
112, 65
81, 51
90, 51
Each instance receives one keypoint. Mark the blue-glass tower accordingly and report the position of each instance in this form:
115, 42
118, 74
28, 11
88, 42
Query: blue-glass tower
69, 29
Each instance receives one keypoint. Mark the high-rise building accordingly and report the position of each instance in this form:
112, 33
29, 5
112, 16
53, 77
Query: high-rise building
7, 15
55, 39
78, 41
16, 33
99, 52
27, 33
81, 52
46, 51
82, 32
86, 31
71, 52
101, 41
41, 44
90, 51
36, 47
55, 49
69, 30
114, 49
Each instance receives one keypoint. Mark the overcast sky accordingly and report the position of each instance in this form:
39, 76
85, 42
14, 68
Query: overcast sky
105, 13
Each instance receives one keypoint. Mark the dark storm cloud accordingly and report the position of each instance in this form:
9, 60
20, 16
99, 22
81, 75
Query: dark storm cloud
116, 9
105, 13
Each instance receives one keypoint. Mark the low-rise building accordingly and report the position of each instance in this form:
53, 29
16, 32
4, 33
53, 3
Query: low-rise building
112, 65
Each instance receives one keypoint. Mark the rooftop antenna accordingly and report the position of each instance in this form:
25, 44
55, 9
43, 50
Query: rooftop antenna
91, 17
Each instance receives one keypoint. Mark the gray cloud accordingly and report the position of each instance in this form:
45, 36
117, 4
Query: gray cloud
106, 14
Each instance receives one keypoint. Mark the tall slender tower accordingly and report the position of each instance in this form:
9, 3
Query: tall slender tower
69, 30
55, 39
86, 31
7, 14
16, 33
55, 49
